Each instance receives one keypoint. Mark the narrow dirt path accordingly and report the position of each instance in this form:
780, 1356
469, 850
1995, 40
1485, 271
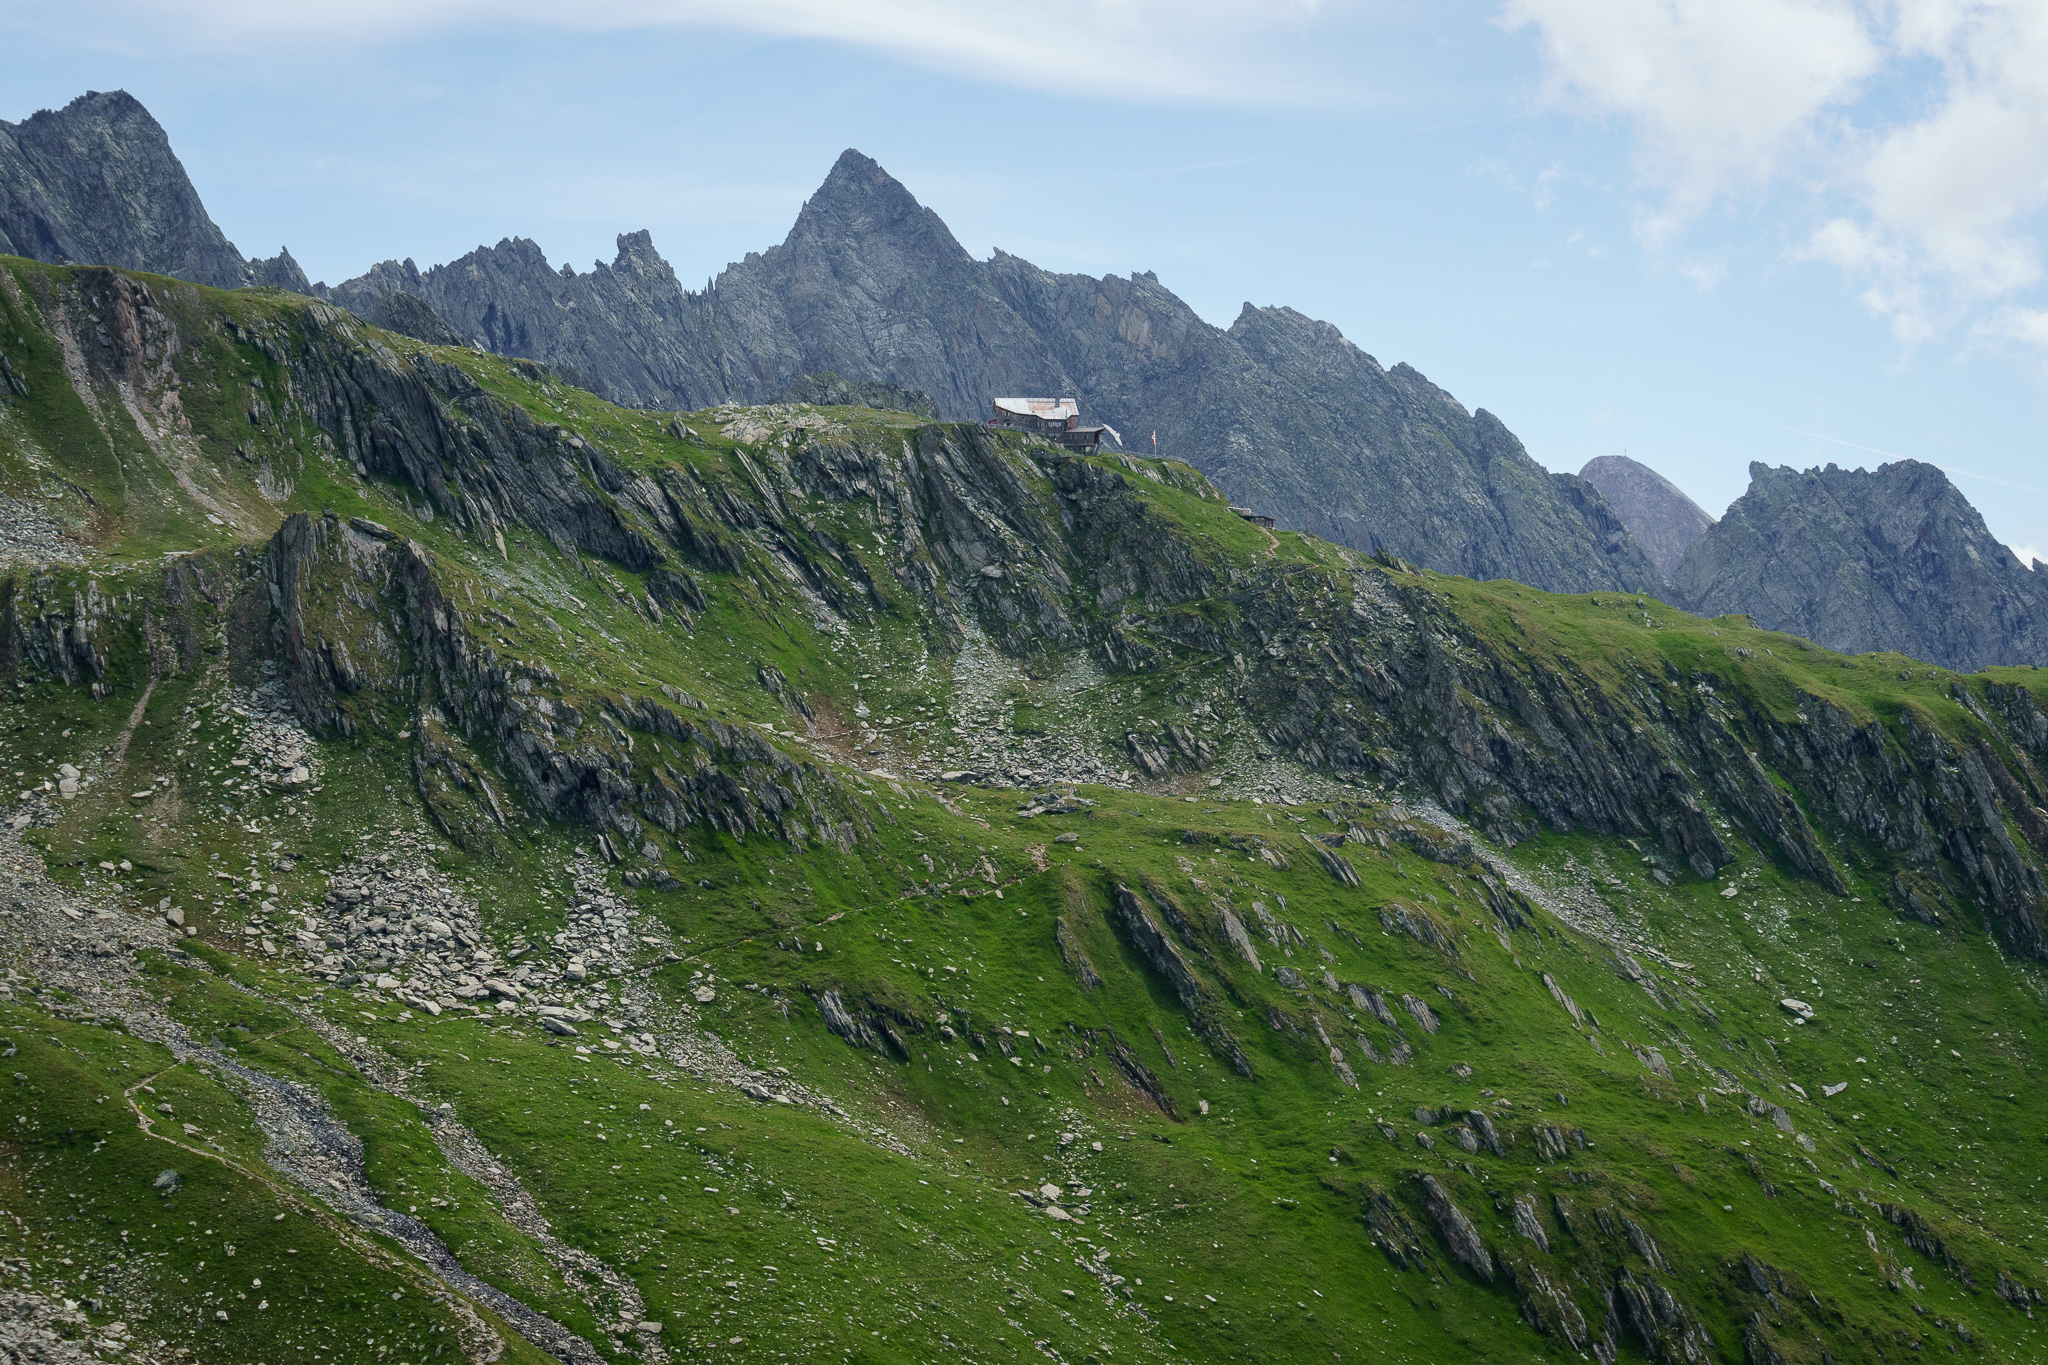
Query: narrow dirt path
120, 751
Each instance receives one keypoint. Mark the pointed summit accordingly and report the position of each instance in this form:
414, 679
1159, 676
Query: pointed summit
1655, 510
96, 183
860, 206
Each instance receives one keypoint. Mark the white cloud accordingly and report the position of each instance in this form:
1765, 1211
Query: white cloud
2028, 554
1719, 90
1921, 124
1229, 50
1707, 275
2029, 325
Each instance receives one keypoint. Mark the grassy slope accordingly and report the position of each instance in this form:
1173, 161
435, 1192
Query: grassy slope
1248, 1217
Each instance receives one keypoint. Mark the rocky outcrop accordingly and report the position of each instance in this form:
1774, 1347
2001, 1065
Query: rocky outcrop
1459, 1235
1149, 940
1891, 559
1280, 410
1664, 521
369, 640
830, 390
96, 183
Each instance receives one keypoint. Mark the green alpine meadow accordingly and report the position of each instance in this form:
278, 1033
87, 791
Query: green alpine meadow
491, 875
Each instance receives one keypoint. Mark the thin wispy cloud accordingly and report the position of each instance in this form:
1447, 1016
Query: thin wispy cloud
1922, 126
1232, 51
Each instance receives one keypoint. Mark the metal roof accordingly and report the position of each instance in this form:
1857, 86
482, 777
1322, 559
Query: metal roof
1047, 409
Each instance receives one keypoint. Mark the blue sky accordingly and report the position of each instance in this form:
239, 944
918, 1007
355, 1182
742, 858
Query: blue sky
1703, 232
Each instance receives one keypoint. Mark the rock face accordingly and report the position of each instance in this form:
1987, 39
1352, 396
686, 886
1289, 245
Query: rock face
1664, 521
96, 183
1860, 560
1282, 411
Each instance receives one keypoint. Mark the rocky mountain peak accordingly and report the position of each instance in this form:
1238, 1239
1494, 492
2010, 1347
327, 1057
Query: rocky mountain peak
281, 271
862, 206
637, 257
871, 285
1664, 521
1860, 560
96, 183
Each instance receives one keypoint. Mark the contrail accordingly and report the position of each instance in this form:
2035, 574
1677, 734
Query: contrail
1893, 455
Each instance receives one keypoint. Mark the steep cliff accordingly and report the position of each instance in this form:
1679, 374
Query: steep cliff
96, 183
1664, 521
1864, 560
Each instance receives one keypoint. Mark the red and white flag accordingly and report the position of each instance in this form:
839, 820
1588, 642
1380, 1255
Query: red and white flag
1155, 440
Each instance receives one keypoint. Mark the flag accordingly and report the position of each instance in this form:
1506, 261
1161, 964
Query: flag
1155, 440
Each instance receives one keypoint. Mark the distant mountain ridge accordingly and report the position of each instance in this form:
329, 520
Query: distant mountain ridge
96, 183
1664, 521
1280, 409
1894, 558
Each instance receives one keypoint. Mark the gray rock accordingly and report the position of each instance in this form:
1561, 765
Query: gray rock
1459, 1235
409, 315
1463, 1136
1336, 864
829, 390
1529, 1223
1159, 951
96, 183
1764, 1109
1422, 1013
871, 285
561, 1028
1862, 561
1664, 521
1373, 1002
841, 1021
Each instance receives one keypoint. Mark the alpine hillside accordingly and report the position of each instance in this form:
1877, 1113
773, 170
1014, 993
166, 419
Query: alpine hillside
494, 875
